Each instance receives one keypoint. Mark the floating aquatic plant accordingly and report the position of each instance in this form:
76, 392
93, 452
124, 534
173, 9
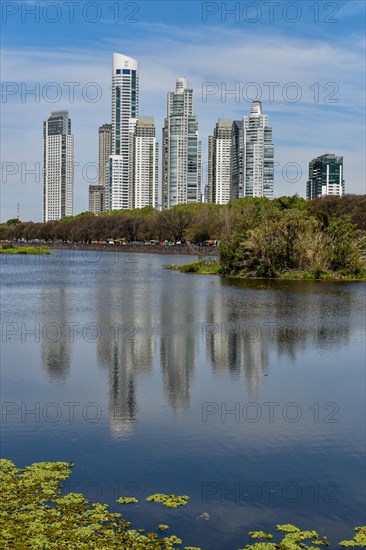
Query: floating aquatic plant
35, 514
291, 541
170, 501
127, 500
359, 539
260, 535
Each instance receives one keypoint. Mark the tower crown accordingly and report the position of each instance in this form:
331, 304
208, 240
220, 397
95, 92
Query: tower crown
256, 108
121, 61
181, 85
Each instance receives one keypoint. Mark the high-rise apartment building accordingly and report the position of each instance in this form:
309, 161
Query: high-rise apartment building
58, 166
105, 150
125, 103
253, 155
96, 198
325, 177
145, 161
237, 151
219, 163
181, 166
97, 193
116, 194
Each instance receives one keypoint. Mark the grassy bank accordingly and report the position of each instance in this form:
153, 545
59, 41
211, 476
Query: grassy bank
12, 249
213, 267
202, 267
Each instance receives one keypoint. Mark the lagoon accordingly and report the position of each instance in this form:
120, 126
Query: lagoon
247, 395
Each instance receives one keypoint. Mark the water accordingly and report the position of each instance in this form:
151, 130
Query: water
249, 396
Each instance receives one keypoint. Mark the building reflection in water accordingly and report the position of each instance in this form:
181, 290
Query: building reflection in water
56, 343
179, 342
125, 348
234, 342
239, 327
247, 321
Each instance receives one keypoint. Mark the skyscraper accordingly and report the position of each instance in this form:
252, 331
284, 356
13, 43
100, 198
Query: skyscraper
181, 178
58, 166
125, 103
253, 163
325, 177
105, 149
96, 198
237, 151
219, 163
97, 195
145, 164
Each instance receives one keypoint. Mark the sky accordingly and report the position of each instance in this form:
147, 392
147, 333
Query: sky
305, 60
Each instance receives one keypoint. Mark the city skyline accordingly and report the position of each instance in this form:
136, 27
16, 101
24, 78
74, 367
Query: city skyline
241, 56
240, 155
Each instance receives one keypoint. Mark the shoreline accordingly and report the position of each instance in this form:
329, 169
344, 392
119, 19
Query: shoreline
185, 250
202, 267
205, 264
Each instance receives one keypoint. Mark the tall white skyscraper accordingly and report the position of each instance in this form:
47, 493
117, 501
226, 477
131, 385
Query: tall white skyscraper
58, 166
125, 103
181, 178
253, 155
145, 164
219, 163
258, 154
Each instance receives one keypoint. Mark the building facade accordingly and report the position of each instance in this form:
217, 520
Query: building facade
96, 199
145, 164
104, 150
125, 106
97, 193
325, 177
116, 194
219, 163
237, 151
181, 162
58, 166
253, 155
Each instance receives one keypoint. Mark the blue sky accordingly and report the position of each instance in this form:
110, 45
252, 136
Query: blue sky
311, 52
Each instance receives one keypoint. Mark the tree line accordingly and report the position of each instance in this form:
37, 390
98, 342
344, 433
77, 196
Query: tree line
257, 236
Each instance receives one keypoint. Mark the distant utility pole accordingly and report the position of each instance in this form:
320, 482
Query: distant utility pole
18, 211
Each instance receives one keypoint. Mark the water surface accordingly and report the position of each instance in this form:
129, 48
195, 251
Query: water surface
249, 396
